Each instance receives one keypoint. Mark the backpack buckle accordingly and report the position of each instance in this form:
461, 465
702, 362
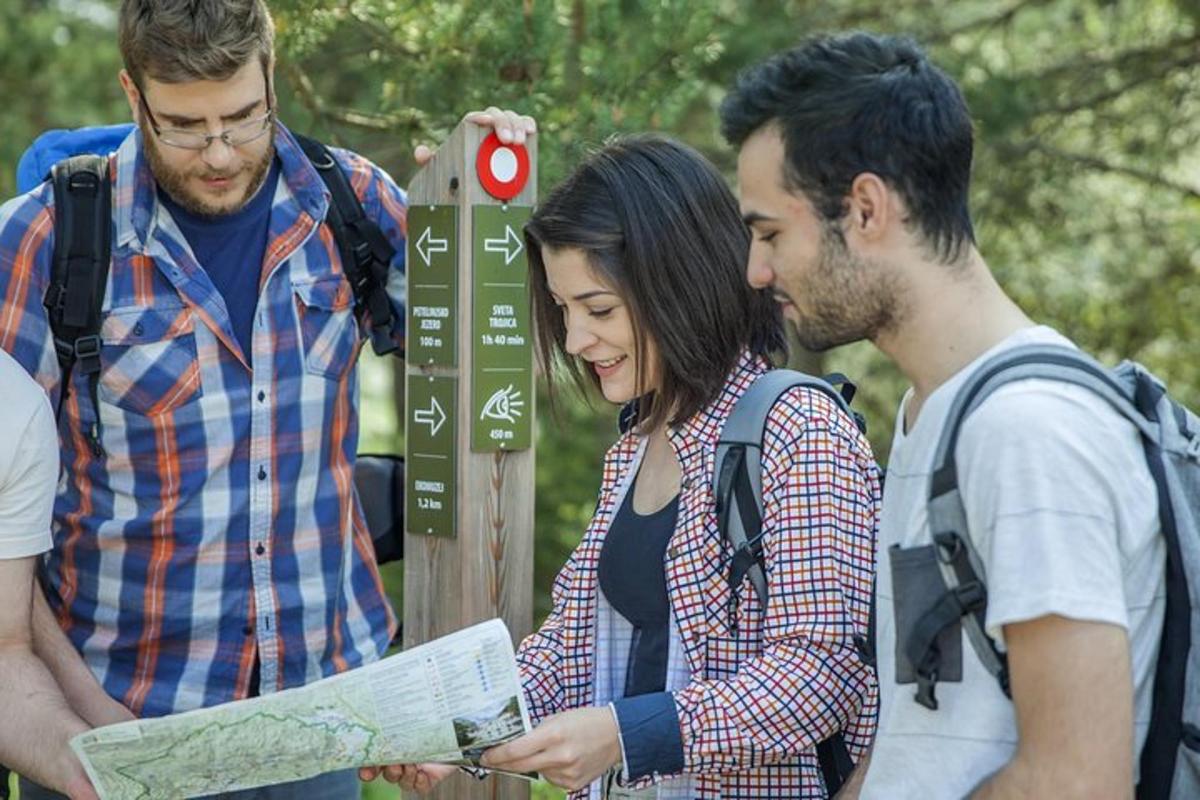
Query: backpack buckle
971, 596
64, 349
865, 648
87, 352
360, 281
382, 342
740, 562
950, 546
927, 685
363, 256
84, 181
56, 298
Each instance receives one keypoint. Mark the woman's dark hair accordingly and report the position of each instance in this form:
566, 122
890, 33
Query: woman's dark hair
659, 225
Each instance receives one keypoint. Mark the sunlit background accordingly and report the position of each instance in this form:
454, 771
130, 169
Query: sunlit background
1087, 179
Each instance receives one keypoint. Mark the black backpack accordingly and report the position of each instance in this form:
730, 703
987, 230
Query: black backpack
737, 487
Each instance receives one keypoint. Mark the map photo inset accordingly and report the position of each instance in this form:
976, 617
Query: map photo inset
488, 729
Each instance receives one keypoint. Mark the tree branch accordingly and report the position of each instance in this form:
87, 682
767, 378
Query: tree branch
1089, 63
1185, 59
573, 62
383, 38
1099, 164
1002, 17
409, 121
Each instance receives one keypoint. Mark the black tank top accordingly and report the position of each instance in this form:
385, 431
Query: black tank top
634, 580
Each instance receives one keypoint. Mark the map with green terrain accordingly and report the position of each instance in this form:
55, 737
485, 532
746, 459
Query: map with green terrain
402, 709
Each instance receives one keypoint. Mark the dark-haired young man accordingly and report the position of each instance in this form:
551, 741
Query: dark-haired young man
854, 167
209, 545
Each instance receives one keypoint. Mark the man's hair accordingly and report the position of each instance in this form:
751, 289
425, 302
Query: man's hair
174, 41
853, 103
660, 226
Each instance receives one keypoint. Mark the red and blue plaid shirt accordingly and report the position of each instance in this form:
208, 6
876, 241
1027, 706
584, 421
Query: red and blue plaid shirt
752, 700
217, 522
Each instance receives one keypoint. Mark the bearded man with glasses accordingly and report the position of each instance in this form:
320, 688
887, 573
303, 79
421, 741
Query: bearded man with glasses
210, 173
208, 544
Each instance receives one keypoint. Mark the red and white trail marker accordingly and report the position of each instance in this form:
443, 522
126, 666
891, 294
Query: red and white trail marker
502, 168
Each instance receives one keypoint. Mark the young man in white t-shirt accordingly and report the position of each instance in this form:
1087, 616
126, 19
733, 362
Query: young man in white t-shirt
854, 170
36, 723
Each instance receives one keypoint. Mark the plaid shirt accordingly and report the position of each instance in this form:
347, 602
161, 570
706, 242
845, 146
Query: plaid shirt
751, 705
217, 521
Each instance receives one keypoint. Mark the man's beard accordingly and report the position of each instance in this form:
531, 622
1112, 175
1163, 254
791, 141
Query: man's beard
847, 298
175, 182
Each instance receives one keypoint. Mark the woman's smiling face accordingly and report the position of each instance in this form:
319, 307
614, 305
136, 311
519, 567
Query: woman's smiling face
598, 325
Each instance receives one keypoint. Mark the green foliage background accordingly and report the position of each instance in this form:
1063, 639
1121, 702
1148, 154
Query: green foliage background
1087, 178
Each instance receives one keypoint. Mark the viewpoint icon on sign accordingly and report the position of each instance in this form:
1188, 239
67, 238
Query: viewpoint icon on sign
504, 404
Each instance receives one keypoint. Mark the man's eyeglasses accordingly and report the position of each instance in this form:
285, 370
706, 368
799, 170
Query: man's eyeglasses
235, 136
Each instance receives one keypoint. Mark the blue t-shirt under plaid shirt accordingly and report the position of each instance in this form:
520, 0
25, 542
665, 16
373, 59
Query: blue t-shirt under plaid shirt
229, 248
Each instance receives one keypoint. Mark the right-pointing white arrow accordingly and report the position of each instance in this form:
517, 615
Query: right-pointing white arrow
433, 416
510, 245
427, 246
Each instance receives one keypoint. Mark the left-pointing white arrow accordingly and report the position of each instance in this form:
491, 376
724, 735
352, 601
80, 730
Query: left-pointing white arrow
433, 416
427, 246
510, 245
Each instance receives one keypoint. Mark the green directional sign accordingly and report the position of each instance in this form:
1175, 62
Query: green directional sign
429, 457
432, 264
501, 332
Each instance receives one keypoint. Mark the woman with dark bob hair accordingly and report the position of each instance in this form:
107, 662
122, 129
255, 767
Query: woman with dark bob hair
649, 679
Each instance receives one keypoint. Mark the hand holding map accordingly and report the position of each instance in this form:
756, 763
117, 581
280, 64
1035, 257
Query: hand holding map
445, 701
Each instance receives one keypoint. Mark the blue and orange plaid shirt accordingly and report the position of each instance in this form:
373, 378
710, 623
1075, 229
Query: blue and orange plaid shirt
754, 689
216, 524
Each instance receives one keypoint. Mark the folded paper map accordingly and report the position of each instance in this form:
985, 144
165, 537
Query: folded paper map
445, 701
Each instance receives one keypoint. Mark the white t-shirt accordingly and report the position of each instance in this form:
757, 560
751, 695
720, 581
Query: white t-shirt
1063, 514
28, 463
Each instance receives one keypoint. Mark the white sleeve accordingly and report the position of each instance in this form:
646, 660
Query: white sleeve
28, 483
1050, 476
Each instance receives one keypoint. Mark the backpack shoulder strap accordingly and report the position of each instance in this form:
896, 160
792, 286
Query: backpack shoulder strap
737, 486
1171, 447
1046, 362
737, 481
79, 272
366, 252
1174, 463
962, 570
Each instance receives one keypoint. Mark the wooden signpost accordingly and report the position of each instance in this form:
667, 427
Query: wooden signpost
468, 544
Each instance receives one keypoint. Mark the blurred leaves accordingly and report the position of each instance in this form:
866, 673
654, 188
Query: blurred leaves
58, 69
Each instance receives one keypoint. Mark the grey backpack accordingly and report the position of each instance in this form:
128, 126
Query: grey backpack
737, 487
1170, 759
